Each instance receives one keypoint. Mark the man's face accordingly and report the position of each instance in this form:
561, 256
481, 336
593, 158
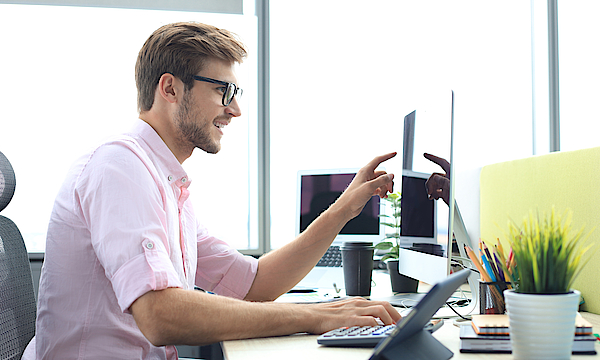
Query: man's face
201, 117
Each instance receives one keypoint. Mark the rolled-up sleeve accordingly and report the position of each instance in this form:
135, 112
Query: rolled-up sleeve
123, 207
151, 270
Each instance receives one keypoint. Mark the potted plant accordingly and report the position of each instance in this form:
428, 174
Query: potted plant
400, 283
544, 261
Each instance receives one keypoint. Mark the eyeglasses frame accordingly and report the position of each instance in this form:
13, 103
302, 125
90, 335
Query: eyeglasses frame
224, 101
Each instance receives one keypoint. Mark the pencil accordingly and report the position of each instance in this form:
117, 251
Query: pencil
490, 260
510, 259
501, 256
500, 248
487, 266
501, 276
484, 275
475, 262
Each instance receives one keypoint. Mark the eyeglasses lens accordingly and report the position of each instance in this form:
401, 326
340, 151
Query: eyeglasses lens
232, 91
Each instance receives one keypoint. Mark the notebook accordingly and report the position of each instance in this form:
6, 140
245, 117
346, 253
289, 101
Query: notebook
471, 342
497, 324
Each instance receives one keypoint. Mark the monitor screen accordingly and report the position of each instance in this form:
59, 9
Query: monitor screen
318, 189
418, 211
429, 129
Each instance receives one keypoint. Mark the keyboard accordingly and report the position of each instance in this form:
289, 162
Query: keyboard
332, 257
365, 336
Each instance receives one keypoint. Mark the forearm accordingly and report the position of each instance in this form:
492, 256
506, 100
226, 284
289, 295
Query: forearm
281, 269
176, 316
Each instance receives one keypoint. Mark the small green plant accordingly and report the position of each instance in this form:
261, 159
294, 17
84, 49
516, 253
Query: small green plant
394, 199
546, 258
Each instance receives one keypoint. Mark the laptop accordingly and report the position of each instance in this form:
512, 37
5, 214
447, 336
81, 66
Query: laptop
316, 190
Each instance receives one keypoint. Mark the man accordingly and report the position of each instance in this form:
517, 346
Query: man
124, 249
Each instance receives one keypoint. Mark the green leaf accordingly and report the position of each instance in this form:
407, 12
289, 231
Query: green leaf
384, 245
389, 256
547, 258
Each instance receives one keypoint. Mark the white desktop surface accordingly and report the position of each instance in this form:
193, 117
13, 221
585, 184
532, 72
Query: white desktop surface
305, 346
302, 346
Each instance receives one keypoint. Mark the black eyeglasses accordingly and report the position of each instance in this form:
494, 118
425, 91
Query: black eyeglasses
231, 89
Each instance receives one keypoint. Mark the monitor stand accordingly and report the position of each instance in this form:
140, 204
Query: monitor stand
462, 238
422, 345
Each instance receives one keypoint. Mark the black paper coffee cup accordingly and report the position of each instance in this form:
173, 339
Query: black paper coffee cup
357, 262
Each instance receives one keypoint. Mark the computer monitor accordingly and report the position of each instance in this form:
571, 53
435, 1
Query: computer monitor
430, 129
318, 189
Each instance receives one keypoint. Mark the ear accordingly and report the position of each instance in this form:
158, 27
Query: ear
169, 88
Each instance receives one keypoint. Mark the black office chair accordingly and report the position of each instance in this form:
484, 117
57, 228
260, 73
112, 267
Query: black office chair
17, 299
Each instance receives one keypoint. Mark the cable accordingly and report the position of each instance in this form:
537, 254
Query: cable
456, 312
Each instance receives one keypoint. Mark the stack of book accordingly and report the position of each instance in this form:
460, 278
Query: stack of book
489, 334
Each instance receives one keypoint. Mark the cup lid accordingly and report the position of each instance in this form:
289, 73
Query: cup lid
357, 244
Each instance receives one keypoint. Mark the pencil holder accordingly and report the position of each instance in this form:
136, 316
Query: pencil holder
491, 297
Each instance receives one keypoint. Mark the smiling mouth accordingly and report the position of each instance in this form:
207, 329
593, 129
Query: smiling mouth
220, 124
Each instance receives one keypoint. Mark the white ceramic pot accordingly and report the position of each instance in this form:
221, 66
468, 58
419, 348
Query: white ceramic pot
542, 326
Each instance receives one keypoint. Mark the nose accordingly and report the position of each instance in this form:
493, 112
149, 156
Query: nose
233, 108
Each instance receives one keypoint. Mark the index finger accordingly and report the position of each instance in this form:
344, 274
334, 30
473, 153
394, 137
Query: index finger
443, 163
373, 164
389, 315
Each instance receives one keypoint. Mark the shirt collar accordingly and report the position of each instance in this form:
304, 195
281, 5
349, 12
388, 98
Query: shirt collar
173, 169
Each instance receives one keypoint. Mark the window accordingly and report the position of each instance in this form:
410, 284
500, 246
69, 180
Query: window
579, 74
69, 83
344, 75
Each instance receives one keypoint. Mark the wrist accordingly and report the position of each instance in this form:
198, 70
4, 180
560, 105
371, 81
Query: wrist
339, 212
310, 318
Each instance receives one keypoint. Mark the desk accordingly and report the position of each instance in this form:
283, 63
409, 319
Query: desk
303, 346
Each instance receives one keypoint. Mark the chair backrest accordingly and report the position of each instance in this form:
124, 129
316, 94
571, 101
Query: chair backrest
17, 299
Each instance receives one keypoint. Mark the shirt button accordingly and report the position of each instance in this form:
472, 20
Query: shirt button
170, 178
149, 246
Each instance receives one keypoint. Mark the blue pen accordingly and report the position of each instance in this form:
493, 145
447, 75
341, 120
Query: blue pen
486, 263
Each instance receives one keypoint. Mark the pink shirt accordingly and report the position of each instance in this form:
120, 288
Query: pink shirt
120, 227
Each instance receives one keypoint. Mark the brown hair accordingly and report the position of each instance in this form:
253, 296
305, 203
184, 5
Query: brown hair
181, 49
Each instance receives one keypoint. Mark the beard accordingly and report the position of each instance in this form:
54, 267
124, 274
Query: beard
192, 130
